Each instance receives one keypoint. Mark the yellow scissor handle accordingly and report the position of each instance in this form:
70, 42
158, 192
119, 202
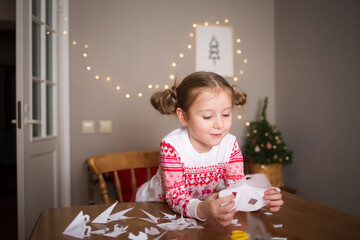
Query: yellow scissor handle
239, 235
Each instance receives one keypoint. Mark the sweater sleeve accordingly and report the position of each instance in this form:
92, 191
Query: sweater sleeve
235, 170
176, 194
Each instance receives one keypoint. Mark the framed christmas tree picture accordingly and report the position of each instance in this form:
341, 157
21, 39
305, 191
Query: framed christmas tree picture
214, 50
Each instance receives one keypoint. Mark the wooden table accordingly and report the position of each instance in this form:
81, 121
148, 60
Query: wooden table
301, 219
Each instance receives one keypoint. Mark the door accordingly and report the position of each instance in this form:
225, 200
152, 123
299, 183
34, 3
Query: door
41, 158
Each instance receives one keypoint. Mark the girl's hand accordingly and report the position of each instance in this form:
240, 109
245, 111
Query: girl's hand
211, 208
275, 198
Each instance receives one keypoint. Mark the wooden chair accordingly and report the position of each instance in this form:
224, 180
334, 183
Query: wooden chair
111, 163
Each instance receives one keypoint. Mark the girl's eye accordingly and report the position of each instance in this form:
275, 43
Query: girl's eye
206, 117
226, 115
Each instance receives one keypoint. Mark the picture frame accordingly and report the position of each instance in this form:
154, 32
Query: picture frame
214, 49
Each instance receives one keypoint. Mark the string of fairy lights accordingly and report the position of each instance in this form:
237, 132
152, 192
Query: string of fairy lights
173, 64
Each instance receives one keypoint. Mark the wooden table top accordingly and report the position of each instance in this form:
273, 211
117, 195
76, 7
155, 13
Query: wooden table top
301, 219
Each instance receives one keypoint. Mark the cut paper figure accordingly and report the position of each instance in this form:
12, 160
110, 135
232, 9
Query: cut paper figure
249, 192
151, 218
152, 231
100, 231
168, 216
141, 236
119, 215
103, 217
77, 228
117, 231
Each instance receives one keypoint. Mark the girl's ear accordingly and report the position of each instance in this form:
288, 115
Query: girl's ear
181, 116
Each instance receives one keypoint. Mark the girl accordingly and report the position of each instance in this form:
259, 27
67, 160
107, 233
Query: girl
195, 159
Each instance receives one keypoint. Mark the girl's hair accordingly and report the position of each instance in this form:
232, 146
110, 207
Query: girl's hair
182, 96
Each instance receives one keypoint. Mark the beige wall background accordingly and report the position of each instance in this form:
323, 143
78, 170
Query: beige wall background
317, 98
302, 55
135, 42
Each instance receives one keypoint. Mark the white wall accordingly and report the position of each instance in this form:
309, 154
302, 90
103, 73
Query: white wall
134, 42
317, 98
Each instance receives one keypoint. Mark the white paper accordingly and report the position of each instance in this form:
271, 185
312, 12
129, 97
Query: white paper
168, 216
119, 215
249, 192
235, 222
151, 218
103, 217
152, 231
141, 236
277, 225
100, 231
117, 231
77, 228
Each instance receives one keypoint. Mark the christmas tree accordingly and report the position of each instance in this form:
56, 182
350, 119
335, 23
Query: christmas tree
264, 145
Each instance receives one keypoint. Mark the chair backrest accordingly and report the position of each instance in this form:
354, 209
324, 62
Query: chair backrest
111, 163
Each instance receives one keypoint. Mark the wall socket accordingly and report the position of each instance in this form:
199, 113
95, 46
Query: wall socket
88, 126
105, 126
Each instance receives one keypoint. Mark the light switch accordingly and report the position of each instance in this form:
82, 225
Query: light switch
88, 127
105, 126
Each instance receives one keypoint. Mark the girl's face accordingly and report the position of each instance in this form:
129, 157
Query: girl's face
208, 119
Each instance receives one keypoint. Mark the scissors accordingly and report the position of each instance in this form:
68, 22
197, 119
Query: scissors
239, 235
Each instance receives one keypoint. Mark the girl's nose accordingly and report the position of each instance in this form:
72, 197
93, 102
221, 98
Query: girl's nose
218, 124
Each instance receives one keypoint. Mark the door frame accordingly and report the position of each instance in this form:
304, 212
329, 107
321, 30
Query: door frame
63, 121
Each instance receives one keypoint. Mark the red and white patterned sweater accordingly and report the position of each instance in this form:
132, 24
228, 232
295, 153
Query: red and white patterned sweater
186, 177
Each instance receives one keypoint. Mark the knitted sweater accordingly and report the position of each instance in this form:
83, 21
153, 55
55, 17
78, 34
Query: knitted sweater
185, 177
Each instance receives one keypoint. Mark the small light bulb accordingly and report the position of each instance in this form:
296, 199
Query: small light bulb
127, 95
238, 40
85, 54
238, 51
157, 86
139, 94
86, 46
239, 117
64, 32
181, 55
241, 72
108, 79
166, 86
217, 22
235, 79
194, 25
206, 23
191, 35
189, 46
245, 60
149, 86
97, 77
173, 64
118, 87
226, 20
247, 124
172, 76
74, 43
88, 68
47, 32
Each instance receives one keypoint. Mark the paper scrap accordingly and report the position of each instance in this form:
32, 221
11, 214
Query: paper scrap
168, 216
103, 217
277, 225
141, 236
249, 192
100, 231
235, 222
117, 231
120, 215
151, 218
268, 213
77, 228
152, 231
